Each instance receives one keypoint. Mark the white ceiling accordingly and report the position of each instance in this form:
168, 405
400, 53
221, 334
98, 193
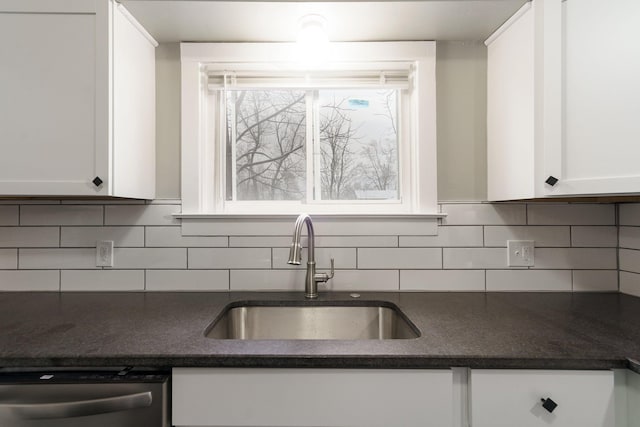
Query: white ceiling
257, 21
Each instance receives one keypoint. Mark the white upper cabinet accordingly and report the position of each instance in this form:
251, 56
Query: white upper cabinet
564, 100
78, 100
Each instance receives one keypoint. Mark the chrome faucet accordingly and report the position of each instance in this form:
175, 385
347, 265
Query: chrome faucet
295, 255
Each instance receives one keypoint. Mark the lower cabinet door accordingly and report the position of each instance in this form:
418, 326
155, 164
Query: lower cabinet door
311, 397
532, 398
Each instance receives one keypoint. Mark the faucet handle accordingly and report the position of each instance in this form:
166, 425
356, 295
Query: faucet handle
324, 277
330, 275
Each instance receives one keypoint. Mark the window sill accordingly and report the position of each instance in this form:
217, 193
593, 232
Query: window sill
324, 224
318, 215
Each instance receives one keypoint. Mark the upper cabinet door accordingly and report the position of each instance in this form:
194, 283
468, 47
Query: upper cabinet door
591, 99
53, 108
510, 108
77, 100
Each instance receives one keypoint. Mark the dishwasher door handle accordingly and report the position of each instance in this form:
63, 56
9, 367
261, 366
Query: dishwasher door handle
80, 408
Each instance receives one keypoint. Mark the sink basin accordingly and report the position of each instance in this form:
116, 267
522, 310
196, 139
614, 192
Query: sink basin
317, 320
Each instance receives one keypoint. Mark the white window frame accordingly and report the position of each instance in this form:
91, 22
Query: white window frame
199, 177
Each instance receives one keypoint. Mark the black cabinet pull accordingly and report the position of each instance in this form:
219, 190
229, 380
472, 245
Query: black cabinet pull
552, 180
97, 181
549, 404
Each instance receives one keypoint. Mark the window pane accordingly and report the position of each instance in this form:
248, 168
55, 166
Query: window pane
358, 144
266, 132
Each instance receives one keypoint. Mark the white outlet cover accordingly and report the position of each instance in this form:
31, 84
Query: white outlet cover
520, 253
104, 253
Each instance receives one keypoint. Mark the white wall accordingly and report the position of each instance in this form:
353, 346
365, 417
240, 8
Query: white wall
168, 121
461, 73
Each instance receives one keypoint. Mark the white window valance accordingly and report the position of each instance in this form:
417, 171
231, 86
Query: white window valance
399, 78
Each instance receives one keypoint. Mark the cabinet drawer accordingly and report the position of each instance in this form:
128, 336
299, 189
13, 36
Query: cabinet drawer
311, 397
507, 398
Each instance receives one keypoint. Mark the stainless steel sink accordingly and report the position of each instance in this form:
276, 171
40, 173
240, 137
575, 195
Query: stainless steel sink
269, 320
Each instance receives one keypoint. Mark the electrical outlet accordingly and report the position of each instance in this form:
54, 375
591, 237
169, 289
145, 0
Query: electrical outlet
104, 253
520, 253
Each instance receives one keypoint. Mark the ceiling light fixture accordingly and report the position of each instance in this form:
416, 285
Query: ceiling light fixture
312, 30
313, 42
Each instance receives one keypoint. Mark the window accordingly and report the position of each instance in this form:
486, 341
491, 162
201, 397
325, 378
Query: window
353, 136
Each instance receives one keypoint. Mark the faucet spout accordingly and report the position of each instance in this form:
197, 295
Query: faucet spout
295, 256
295, 253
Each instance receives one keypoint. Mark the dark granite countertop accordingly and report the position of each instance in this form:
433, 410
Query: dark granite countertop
494, 330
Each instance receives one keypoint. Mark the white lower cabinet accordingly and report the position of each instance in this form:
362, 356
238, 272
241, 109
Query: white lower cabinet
509, 398
312, 397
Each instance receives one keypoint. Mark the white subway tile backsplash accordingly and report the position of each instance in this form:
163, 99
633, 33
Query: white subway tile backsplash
362, 281
61, 215
356, 241
140, 258
595, 280
29, 280
576, 258
448, 236
595, 237
267, 280
9, 215
442, 280
321, 241
187, 280
399, 258
630, 214
571, 214
87, 237
484, 214
29, 237
293, 280
237, 227
141, 214
474, 258
32, 202
374, 226
544, 236
63, 258
529, 280
226, 258
102, 280
323, 225
344, 258
102, 202
263, 241
629, 260
172, 237
630, 283
630, 237
8, 259
50, 245
164, 202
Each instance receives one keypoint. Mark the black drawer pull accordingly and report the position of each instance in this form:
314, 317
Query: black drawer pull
549, 404
552, 180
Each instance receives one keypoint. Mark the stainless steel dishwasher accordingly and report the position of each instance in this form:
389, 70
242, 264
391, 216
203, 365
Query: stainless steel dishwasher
83, 397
